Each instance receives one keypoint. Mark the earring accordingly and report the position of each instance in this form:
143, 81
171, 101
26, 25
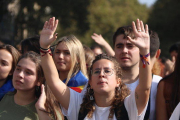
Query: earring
90, 91
91, 97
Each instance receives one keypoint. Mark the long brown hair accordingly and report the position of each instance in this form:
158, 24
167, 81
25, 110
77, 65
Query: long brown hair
119, 96
35, 57
51, 104
176, 86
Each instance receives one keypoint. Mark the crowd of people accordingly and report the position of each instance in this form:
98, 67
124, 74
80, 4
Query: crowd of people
65, 80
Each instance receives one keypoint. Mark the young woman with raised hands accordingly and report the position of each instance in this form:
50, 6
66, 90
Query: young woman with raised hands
69, 58
106, 96
8, 60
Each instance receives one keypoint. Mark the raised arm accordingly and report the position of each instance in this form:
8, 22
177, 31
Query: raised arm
59, 89
101, 41
142, 41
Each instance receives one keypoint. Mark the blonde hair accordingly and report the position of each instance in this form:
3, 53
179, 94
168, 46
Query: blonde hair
77, 55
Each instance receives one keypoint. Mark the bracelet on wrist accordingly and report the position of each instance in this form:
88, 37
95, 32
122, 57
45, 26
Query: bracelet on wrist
144, 59
44, 52
44, 48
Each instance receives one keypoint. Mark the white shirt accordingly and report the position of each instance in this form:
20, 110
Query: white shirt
101, 113
176, 113
155, 82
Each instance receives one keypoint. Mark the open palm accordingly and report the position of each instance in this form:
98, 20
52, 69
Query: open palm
47, 34
142, 39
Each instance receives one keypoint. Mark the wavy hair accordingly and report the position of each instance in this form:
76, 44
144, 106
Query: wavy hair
119, 96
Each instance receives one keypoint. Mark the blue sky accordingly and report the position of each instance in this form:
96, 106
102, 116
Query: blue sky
147, 2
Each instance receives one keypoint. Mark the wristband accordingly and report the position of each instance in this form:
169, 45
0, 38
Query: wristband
144, 59
44, 48
44, 52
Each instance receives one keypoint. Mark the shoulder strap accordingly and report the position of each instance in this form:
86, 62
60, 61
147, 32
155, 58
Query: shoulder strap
124, 114
83, 114
146, 117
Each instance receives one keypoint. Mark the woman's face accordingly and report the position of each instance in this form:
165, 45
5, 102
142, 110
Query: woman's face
6, 60
25, 75
62, 57
103, 79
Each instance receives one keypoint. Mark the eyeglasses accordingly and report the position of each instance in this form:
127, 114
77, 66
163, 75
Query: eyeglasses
106, 71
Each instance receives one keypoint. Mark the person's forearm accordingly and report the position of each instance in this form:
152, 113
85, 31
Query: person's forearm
59, 89
108, 49
145, 74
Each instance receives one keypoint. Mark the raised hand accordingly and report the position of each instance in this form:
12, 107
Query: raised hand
47, 34
98, 39
142, 39
101, 41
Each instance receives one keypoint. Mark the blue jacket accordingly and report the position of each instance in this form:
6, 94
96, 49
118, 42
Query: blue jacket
6, 88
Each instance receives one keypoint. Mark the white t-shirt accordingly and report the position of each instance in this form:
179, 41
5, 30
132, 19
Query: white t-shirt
176, 113
101, 113
155, 82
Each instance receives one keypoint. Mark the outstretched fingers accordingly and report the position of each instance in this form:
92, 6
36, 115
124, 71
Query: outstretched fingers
134, 27
52, 22
138, 25
95, 35
142, 26
49, 24
146, 29
55, 24
45, 25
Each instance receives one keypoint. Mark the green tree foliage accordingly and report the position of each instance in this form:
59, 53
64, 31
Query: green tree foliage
5, 22
79, 17
33, 13
105, 16
164, 19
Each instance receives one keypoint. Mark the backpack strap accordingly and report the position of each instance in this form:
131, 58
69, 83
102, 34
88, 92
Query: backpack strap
146, 117
83, 114
124, 114
65, 118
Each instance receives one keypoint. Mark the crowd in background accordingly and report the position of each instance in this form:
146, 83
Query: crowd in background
62, 79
